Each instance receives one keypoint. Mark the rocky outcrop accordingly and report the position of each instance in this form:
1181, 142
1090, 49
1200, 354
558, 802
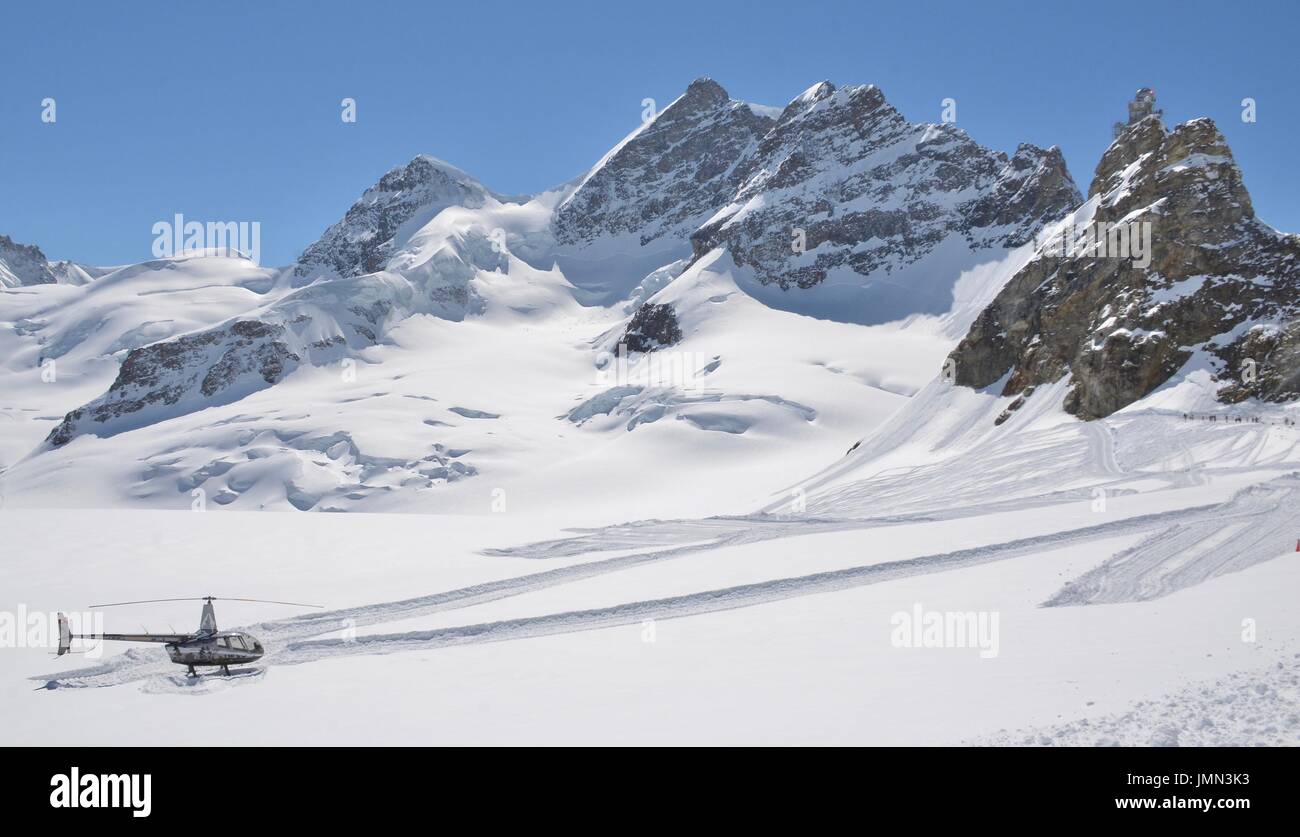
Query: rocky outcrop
168, 378
669, 176
653, 326
843, 181
1216, 283
1263, 364
402, 201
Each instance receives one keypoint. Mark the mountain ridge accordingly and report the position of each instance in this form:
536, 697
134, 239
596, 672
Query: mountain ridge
898, 220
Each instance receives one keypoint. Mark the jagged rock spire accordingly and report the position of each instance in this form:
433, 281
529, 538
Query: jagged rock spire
1214, 281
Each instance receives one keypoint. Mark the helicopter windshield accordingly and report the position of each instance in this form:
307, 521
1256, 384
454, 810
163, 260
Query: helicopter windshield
239, 642
245, 642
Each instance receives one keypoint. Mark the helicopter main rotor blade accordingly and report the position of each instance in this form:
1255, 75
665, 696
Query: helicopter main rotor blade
265, 601
207, 599
151, 601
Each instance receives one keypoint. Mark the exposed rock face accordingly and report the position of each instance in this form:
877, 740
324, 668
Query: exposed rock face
408, 196
1219, 283
23, 264
1264, 364
653, 326
155, 381
870, 191
668, 177
837, 182
1032, 189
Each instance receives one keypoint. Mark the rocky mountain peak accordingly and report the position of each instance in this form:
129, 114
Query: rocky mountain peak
1136, 140
426, 172
1191, 165
1032, 189
23, 264
870, 192
843, 183
824, 105
403, 200
819, 91
669, 175
1166, 263
704, 92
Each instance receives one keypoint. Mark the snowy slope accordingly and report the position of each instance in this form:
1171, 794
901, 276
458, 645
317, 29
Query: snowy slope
704, 630
63, 345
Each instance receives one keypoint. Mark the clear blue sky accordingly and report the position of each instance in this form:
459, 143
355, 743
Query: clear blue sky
230, 111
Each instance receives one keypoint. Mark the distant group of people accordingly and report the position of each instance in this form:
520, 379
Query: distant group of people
1214, 417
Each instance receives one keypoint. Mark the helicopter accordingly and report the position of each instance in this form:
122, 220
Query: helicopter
205, 647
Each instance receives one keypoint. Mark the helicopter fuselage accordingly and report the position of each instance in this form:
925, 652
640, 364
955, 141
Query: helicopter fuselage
226, 648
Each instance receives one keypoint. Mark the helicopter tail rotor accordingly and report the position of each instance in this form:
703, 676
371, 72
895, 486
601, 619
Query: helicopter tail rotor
65, 635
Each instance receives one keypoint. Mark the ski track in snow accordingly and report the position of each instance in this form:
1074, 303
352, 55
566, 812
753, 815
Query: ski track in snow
1101, 446
285, 645
729, 598
1255, 525
1023, 468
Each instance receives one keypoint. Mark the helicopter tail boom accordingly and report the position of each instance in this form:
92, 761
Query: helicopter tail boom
66, 636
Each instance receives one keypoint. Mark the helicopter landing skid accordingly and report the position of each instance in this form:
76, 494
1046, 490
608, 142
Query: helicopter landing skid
225, 672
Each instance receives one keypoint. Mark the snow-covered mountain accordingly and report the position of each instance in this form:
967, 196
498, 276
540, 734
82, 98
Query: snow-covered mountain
807, 269
25, 264
386, 216
669, 175
412, 245
839, 206
847, 202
